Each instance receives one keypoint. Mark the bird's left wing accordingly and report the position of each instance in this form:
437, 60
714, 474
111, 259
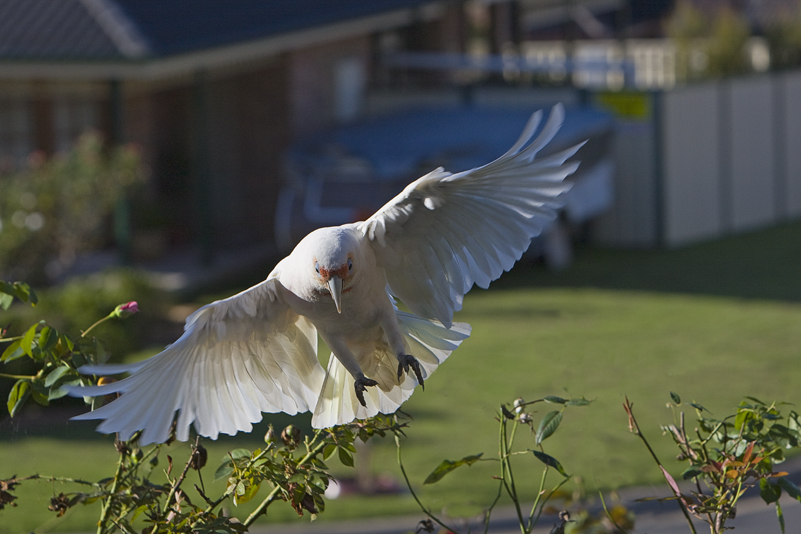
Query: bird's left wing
446, 232
237, 358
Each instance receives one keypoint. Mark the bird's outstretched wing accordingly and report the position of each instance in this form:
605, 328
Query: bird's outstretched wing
446, 232
237, 358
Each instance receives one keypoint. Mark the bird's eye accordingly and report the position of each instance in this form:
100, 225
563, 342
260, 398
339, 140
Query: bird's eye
317, 267
350, 264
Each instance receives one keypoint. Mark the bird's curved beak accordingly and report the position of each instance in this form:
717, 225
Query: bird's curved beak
335, 288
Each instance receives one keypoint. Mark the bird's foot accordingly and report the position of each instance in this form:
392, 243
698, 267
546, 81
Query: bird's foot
361, 385
407, 361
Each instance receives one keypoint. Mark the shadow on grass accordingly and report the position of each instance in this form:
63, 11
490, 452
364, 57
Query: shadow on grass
765, 264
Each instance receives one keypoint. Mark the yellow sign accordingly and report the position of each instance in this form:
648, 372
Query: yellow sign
629, 105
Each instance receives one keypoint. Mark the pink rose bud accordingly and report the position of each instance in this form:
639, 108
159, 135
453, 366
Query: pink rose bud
124, 310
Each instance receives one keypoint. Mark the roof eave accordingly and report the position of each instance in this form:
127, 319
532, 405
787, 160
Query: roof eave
157, 68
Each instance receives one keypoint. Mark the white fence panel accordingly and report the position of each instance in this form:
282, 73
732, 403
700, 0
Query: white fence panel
691, 144
632, 220
751, 153
791, 142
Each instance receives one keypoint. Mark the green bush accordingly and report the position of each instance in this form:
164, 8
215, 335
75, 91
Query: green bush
55, 208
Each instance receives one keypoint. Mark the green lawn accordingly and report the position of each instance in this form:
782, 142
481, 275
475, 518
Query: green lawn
712, 322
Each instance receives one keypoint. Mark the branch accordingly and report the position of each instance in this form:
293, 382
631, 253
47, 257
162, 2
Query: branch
634, 428
411, 490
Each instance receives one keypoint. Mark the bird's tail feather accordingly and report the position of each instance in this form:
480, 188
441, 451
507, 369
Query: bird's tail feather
428, 341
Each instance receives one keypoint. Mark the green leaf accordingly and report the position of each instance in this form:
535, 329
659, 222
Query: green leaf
789, 487
780, 515
56, 374
27, 340
768, 491
5, 300
12, 352
691, 472
548, 426
553, 399
345, 457
447, 466
675, 398
550, 461
63, 389
21, 290
39, 392
699, 407
240, 453
47, 338
249, 492
224, 471
18, 395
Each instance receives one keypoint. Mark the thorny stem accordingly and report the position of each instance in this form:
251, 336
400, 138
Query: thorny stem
56, 479
506, 473
691, 454
101, 524
609, 516
539, 496
414, 495
312, 452
501, 484
175, 485
634, 428
17, 377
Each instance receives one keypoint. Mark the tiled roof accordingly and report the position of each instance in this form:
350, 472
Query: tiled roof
53, 29
176, 26
88, 30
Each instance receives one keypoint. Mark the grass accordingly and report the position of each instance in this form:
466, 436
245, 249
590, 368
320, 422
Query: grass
712, 322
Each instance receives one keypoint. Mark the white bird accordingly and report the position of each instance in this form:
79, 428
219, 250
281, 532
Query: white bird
257, 351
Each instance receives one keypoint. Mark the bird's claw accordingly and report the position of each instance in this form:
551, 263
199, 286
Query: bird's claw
361, 385
405, 362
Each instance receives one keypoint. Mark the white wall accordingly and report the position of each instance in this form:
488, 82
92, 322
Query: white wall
790, 142
751, 165
691, 177
632, 221
730, 157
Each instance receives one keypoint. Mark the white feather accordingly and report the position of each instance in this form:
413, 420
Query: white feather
257, 351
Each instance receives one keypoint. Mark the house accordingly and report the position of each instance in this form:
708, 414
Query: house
211, 92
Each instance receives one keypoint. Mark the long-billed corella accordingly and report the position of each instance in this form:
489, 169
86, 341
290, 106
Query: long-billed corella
256, 351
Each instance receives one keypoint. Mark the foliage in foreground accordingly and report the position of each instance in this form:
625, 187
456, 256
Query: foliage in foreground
727, 457
291, 465
147, 492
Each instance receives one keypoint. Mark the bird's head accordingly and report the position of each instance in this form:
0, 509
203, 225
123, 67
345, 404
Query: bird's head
335, 264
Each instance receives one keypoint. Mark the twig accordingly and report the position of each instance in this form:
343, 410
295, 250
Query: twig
414, 495
101, 524
608, 515
17, 377
634, 428
180, 479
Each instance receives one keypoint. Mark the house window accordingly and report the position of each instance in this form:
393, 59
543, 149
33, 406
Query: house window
15, 133
349, 84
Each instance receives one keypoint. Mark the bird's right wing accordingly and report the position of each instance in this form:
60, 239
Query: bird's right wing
237, 358
446, 232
